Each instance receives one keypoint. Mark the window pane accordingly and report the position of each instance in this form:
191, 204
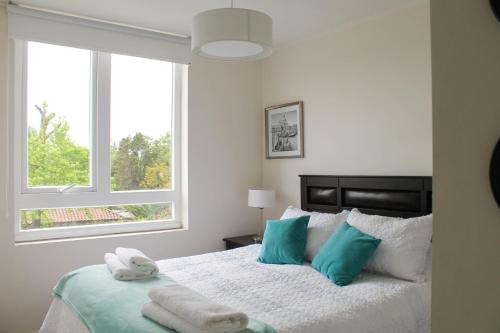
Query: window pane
65, 217
58, 115
141, 123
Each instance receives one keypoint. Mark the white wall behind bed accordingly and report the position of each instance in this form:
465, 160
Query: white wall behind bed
367, 101
224, 159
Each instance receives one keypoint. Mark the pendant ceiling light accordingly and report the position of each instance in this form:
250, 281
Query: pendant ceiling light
232, 34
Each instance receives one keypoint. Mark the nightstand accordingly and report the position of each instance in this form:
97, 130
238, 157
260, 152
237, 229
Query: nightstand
235, 242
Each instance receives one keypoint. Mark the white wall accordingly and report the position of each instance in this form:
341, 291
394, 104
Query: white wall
367, 101
466, 121
224, 161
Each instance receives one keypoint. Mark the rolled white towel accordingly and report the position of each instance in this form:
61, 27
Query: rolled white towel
165, 318
136, 260
198, 310
122, 272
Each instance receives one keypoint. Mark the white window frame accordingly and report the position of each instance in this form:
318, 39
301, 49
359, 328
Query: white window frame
23, 54
99, 192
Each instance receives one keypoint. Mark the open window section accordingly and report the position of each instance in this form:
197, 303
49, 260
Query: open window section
58, 104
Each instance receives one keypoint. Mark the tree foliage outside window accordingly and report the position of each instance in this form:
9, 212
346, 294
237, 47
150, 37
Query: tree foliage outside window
54, 159
138, 162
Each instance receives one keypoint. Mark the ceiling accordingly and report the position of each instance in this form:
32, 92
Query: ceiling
293, 20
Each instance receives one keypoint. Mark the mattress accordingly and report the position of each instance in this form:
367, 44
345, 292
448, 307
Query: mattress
290, 298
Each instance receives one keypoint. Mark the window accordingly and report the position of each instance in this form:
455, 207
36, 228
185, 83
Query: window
140, 141
59, 137
96, 139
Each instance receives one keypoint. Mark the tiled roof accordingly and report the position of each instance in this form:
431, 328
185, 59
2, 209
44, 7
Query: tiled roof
68, 215
103, 214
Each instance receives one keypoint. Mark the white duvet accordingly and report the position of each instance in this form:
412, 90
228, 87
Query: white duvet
290, 298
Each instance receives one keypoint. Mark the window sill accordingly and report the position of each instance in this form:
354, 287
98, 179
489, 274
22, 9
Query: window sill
22, 241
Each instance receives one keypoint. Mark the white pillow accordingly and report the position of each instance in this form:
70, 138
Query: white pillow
291, 212
321, 227
405, 242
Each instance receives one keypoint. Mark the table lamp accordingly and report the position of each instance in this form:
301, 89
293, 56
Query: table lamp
260, 199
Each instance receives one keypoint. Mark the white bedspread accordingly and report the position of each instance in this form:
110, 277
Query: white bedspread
290, 298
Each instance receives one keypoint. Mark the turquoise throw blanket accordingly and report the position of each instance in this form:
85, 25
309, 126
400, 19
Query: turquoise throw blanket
107, 305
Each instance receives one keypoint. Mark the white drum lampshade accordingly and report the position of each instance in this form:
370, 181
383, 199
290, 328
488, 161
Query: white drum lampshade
261, 198
232, 34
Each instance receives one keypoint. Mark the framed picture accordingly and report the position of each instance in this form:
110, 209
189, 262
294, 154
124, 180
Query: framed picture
285, 131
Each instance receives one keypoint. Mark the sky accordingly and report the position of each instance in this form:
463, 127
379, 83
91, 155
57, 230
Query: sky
141, 91
291, 118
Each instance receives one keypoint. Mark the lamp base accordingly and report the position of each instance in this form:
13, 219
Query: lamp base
257, 239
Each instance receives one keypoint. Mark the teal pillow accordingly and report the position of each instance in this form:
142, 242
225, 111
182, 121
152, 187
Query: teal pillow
284, 241
345, 254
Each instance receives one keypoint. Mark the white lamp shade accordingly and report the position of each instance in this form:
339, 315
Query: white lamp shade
232, 34
261, 198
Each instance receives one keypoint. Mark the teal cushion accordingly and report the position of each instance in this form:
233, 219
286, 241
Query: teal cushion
284, 241
345, 254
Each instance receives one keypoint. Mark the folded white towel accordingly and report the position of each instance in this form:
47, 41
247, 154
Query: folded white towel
198, 310
136, 260
122, 272
163, 317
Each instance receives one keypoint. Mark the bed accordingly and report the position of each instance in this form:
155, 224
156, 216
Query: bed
294, 298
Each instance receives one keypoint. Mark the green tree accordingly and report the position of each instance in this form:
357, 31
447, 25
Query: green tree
53, 158
151, 211
156, 176
139, 162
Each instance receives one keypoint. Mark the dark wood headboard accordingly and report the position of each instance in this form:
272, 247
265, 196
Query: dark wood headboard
380, 195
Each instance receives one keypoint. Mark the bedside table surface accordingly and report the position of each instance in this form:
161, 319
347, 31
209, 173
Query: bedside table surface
241, 240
